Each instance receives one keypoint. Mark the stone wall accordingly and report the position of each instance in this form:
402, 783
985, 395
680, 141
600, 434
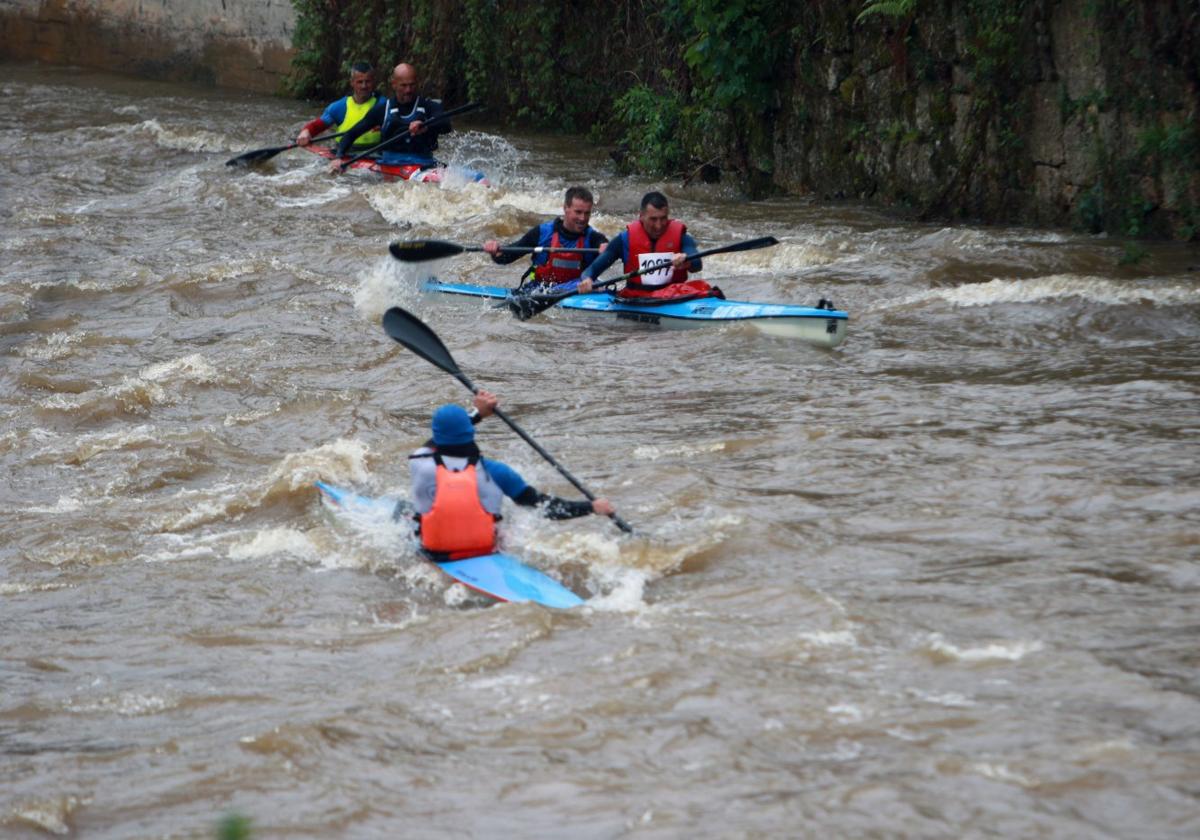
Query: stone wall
243, 44
1083, 114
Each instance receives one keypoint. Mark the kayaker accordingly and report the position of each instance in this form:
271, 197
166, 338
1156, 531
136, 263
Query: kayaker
457, 493
344, 114
406, 113
654, 239
570, 230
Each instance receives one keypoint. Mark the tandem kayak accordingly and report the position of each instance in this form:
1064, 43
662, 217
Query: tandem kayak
499, 576
821, 325
408, 172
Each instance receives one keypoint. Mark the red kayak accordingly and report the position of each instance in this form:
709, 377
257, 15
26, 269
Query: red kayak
403, 172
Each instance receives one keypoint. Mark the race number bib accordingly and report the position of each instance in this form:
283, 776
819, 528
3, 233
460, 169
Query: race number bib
660, 269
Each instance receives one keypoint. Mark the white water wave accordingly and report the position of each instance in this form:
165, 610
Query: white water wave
184, 140
1032, 290
1014, 651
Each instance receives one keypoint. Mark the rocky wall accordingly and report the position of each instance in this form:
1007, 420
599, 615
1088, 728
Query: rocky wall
243, 44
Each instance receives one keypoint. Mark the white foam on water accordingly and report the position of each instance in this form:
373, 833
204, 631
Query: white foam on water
432, 205
829, 638
50, 347
387, 283
184, 140
342, 460
149, 387
1094, 289
274, 542
50, 814
65, 504
1002, 773
491, 154
1013, 651
125, 704
654, 453
18, 588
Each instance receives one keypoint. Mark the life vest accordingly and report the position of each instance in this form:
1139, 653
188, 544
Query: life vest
561, 267
640, 252
457, 525
354, 113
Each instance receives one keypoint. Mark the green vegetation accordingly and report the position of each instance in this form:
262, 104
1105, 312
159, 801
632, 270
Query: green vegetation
920, 102
234, 827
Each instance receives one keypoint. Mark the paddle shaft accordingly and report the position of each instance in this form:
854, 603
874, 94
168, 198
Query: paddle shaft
537, 447
445, 115
723, 249
424, 250
258, 155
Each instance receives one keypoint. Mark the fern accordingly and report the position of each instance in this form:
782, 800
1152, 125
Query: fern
891, 8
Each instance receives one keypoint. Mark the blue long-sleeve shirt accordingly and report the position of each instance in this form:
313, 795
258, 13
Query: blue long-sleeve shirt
618, 248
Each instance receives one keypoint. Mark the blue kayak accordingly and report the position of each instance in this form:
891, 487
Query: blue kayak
499, 576
817, 325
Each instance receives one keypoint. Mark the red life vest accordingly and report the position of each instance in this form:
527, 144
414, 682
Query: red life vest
457, 524
637, 242
562, 267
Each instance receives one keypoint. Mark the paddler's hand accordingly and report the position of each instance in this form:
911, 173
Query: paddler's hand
485, 402
416, 127
677, 260
491, 247
603, 507
335, 167
304, 138
585, 286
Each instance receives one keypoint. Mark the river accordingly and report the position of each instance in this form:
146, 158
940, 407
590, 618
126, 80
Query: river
938, 582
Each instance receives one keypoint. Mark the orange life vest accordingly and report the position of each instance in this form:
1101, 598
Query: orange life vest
457, 524
637, 242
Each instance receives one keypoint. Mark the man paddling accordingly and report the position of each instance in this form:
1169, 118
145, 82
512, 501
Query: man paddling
653, 240
456, 493
406, 116
346, 112
558, 271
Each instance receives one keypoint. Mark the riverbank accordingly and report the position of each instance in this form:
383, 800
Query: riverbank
241, 44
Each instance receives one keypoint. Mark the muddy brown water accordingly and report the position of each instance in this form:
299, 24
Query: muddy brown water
939, 582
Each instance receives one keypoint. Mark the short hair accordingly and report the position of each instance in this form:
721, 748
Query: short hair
581, 193
654, 199
362, 67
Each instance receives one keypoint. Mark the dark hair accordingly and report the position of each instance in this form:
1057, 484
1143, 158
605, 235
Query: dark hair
362, 67
654, 199
581, 193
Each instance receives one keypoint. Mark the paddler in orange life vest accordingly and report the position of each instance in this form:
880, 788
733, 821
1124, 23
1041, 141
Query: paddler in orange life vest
654, 240
457, 493
346, 112
558, 271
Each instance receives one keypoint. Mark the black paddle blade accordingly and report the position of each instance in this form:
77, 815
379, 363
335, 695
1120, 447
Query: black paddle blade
257, 156
411, 331
525, 307
420, 250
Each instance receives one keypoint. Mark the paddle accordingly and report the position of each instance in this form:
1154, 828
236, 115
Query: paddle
259, 155
413, 333
526, 306
445, 115
422, 250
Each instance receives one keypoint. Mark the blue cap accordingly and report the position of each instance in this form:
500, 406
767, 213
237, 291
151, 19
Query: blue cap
451, 425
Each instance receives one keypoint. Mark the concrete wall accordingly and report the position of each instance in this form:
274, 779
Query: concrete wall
244, 44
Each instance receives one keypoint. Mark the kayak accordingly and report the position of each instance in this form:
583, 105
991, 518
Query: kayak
407, 172
499, 576
820, 325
